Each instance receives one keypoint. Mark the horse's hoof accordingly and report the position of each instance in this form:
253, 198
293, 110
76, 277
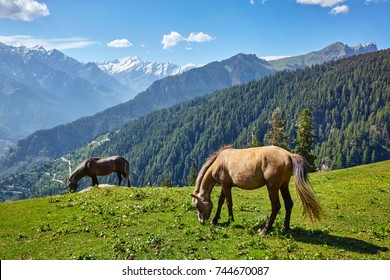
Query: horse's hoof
286, 230
263, 232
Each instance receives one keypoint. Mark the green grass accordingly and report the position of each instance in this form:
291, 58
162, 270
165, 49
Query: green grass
160, 223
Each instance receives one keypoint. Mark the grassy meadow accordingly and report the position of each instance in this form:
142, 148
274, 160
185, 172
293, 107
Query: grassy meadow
160, 223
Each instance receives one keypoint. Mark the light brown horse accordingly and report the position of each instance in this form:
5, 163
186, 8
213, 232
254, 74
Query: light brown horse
94, 167
251, 169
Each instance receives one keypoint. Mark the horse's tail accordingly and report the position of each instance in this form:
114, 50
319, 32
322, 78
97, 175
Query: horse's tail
210, 160
311, 207
127, 170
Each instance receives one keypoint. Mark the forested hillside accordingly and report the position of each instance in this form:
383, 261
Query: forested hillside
349, 100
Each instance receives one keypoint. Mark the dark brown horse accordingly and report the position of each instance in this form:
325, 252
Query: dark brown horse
251, 169
94, 167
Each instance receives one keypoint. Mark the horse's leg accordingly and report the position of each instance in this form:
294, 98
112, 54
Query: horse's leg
127, 173
220, 203
229, 202
288, 203
119, 178
128, 180
273, 194
94, 180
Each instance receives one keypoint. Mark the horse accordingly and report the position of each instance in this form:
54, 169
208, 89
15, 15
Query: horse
94, 167
251, 169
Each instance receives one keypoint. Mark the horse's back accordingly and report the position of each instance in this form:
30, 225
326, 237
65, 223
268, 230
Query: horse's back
107, 165
267, 155
255, 167
117, 160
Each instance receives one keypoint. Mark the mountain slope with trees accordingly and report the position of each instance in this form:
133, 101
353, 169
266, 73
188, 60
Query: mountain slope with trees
349, 102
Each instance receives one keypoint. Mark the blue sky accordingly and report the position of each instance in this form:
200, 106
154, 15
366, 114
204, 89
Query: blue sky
192, 31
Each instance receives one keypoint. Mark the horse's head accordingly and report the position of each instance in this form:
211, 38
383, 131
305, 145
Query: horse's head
203, 207
72, 185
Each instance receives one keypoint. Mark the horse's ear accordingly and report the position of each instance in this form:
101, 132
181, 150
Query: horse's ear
201, 199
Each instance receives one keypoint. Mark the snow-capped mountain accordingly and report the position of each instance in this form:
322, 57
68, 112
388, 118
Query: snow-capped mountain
137, 74
21, 61
42, 88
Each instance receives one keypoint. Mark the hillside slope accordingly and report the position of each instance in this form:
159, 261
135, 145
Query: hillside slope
160, 223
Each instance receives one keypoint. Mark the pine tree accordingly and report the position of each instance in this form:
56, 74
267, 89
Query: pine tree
191, 179
254, 141
167, 183
305, 138
277, 134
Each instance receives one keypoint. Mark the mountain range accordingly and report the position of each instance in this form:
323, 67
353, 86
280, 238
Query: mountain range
137, 74
348, 100
241, 68
332, 52
42, 88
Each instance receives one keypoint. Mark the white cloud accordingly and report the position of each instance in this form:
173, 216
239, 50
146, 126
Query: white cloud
339, 9
57, 43
367, 2
199, 37
174, 38
252, 2
120, 43
25, 10
171, 40
322, 3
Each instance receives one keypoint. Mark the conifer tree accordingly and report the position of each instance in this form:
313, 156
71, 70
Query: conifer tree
254, 141
305, 138
191, 179
277, 134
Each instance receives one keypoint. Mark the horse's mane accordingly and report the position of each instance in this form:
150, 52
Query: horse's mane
207, 164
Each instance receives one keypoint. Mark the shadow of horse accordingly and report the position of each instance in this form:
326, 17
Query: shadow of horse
315, 237
318, 237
